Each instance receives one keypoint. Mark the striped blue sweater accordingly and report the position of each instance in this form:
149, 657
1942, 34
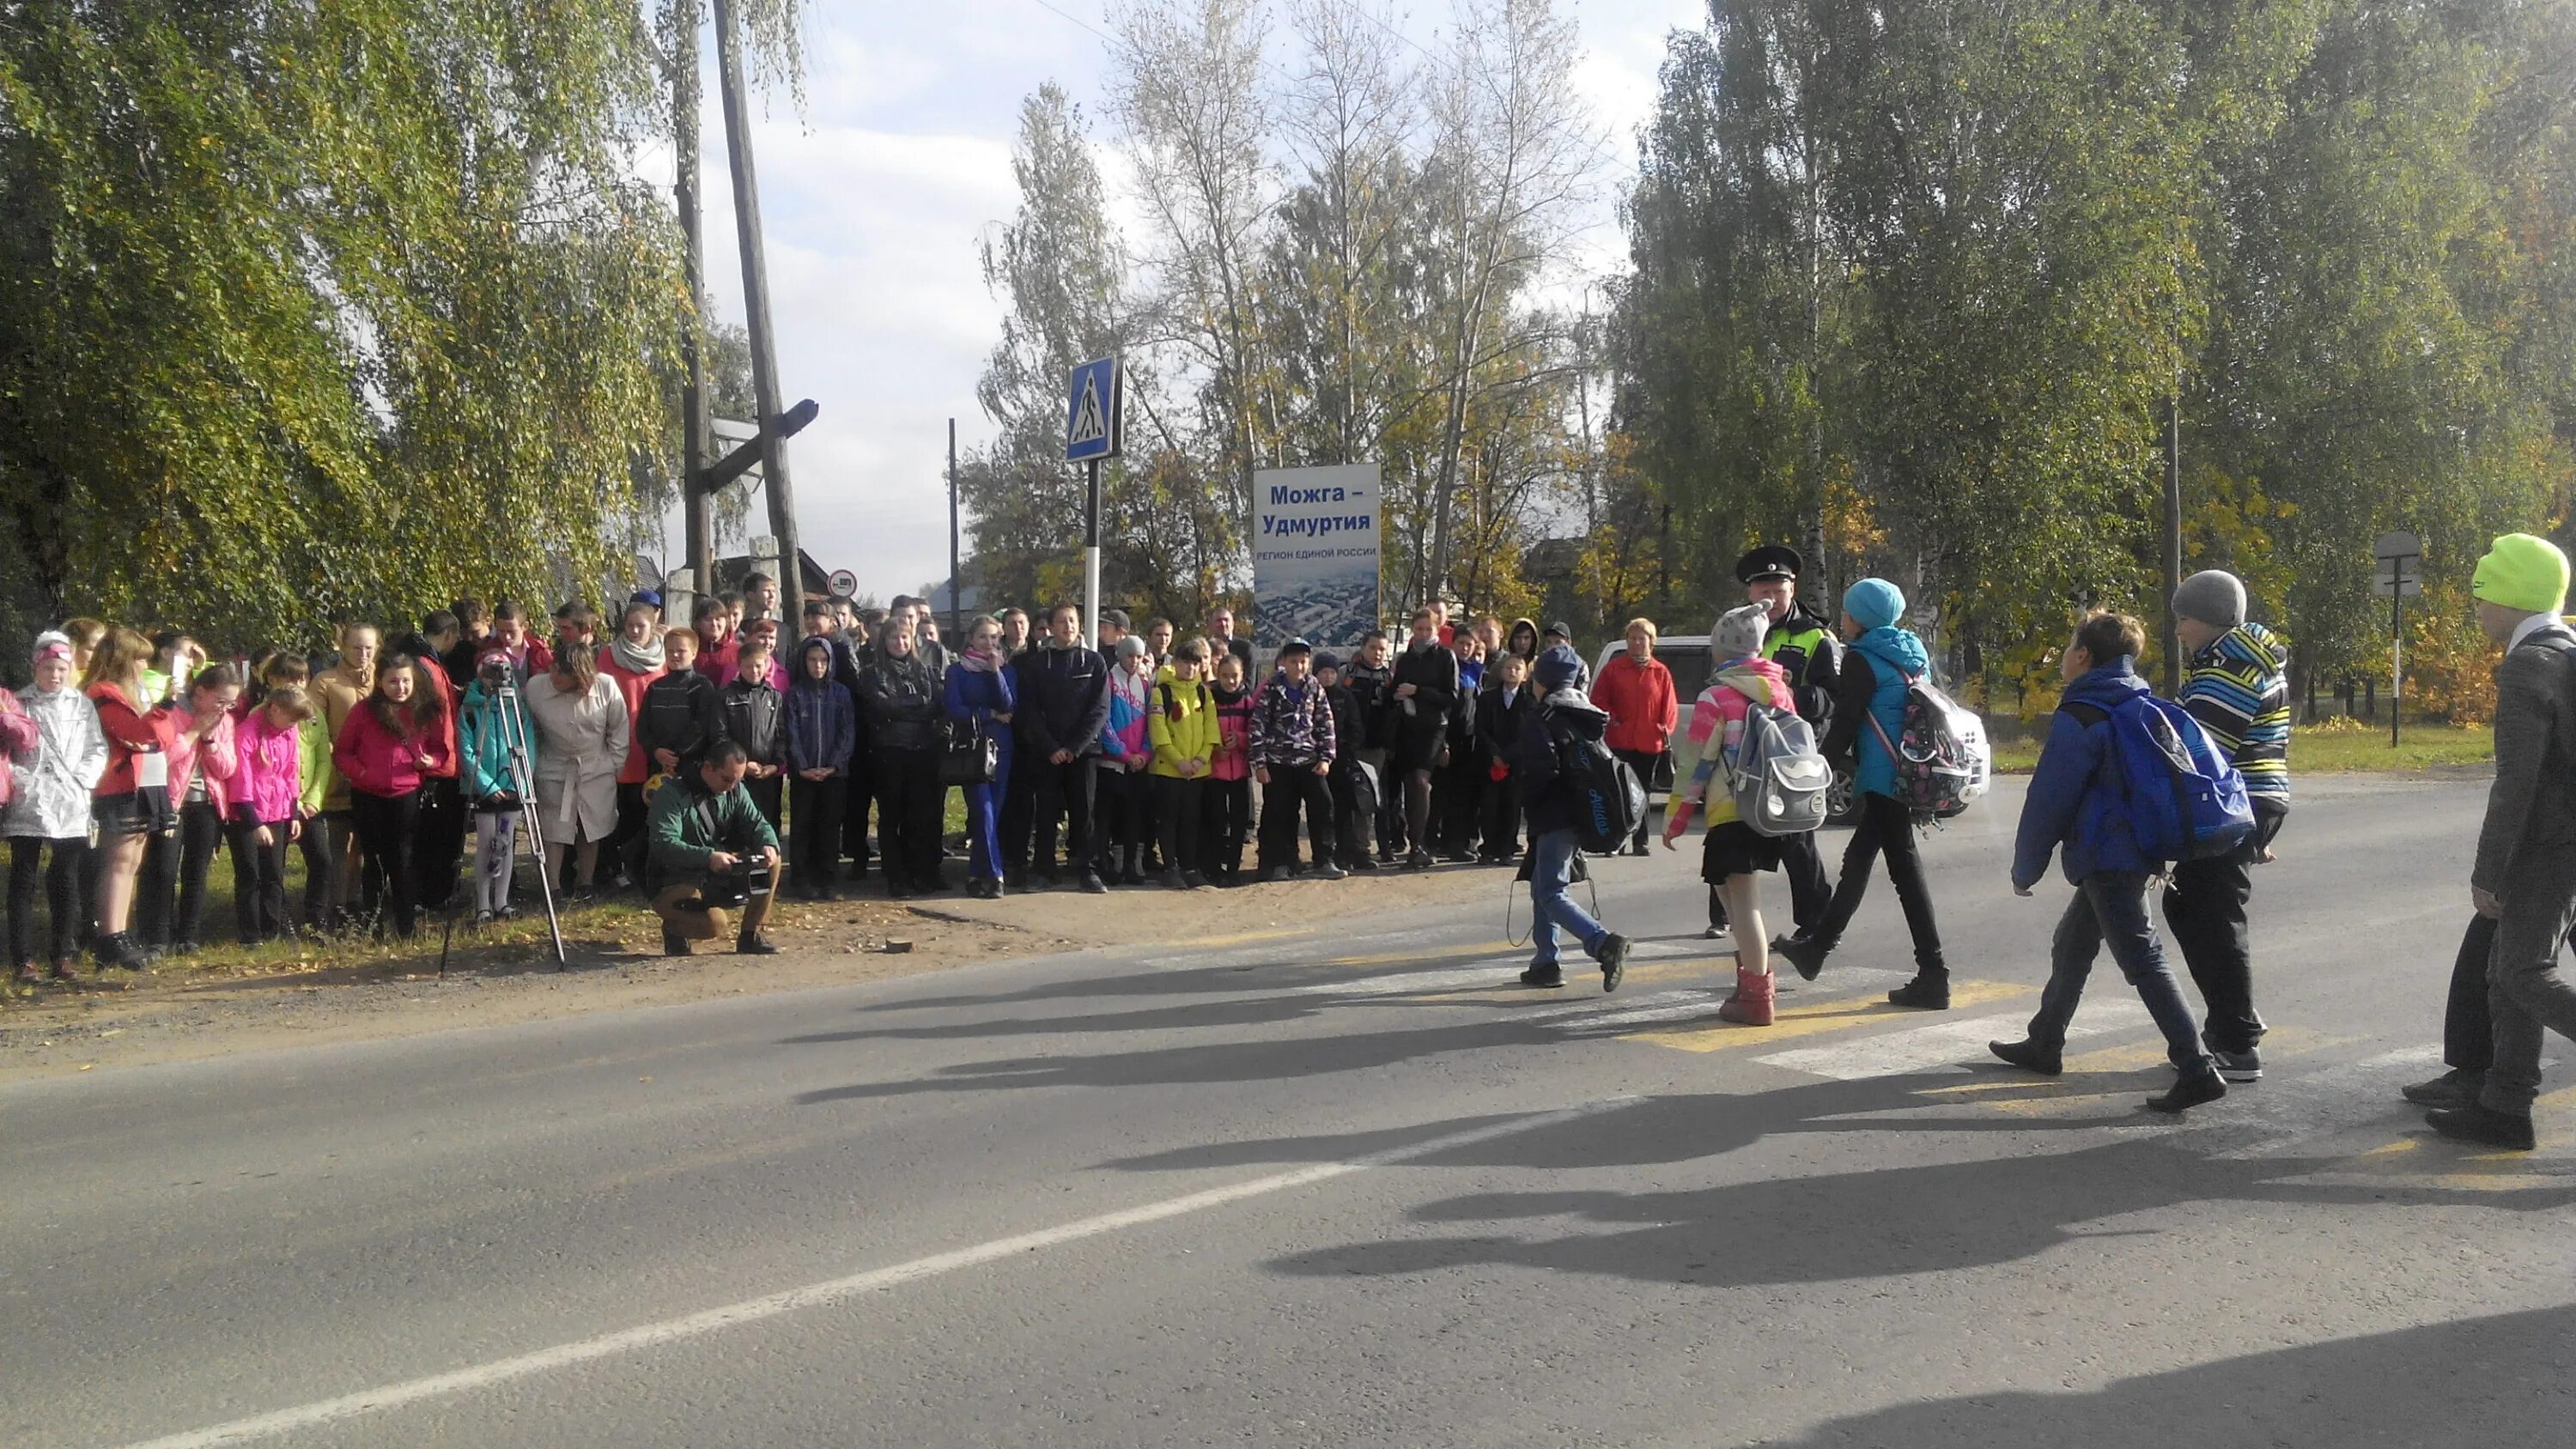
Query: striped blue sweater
2238, 691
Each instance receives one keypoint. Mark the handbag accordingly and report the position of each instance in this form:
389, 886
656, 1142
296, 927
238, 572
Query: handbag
971, 756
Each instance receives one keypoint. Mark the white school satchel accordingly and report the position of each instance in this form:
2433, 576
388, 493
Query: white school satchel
1779, 778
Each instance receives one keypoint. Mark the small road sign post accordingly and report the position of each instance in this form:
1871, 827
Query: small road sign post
2399, 575
845, 584
1091, 433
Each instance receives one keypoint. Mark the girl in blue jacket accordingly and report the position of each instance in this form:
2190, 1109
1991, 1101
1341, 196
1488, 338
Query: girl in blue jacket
1869, 712
822, 732
2076, 809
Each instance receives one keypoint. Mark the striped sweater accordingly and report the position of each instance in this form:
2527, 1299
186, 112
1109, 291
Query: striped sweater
2238, 692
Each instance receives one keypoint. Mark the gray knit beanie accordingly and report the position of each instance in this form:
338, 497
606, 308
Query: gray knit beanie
1737, 633
2213, 596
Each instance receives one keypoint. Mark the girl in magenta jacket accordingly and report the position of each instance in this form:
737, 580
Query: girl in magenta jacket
203, 762
388, 747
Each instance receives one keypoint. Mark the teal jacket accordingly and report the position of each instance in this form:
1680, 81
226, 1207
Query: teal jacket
483, 738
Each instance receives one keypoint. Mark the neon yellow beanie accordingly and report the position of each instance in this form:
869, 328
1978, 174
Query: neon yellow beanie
2523, 572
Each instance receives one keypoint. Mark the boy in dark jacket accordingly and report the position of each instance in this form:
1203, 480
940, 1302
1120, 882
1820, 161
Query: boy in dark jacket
904, 702
680, 715
2077, 802
1562, 721
1499, 706
822, 730
1064, 705
755, 717
1352, 784
1292, 756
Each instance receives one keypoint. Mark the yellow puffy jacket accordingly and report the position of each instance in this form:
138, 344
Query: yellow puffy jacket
1180, 722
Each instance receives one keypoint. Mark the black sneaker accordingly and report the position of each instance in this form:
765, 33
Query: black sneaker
1550, 974
2475, 1122
1195, 880
2195, 1090
2244, 1066
1923, 993
1614, 961
1329, 871
1809, 958
2028, 1055
1272, 875
2454, 1088
673, 943
754, 946
1361, 863
1093, 885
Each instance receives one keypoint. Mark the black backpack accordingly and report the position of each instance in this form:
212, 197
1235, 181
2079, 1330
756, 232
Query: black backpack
1608, 801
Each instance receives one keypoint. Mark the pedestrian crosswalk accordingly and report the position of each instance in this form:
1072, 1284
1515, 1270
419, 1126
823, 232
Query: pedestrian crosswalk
2329, 1104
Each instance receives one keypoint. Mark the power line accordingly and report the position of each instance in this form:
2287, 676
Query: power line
1076, 19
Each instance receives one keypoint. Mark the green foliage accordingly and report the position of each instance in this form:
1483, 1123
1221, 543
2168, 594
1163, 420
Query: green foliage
307, 309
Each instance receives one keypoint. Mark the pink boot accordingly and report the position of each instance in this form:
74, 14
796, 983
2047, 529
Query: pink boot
1750, 1003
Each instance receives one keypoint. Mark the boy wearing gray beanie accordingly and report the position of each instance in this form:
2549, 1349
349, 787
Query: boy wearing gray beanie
2234, 684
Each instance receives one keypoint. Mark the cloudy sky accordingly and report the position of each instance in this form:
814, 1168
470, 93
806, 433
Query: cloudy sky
875, 196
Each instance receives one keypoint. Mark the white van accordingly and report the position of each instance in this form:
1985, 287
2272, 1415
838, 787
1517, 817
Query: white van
1686, 655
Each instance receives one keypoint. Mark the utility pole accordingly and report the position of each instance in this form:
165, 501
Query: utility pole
2173, 535
956, 625
697, 505
756, 319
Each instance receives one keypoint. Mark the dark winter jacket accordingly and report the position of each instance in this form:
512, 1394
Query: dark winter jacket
682, 712
1292, 724
755, 718
1350, 727
1432, 670
903, 700
1564, 717
1498, 719
1373, 691
1064, 700
822, 721
2076, 798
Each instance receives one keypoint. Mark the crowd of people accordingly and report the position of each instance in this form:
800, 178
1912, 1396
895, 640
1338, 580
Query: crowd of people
705, 765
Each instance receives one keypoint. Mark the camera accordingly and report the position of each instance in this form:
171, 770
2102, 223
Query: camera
731, 889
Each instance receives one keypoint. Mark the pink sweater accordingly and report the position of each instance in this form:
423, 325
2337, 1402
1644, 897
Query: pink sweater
214, 756
1716, 729
268, 782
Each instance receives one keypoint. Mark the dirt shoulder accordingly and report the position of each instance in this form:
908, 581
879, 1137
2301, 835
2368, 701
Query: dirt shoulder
282, 997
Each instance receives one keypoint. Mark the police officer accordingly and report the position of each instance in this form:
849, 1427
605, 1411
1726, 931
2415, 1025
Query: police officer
1802, 643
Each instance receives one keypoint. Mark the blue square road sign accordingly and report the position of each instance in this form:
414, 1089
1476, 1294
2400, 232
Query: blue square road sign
1091, 415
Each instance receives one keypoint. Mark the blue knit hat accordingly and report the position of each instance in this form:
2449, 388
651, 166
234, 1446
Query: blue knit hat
1874, 603
1558, 666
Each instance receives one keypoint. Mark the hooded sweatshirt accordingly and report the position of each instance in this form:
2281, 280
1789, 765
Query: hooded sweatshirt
1564, 716
2238, 692
1876, 672
822, 719
1716, 733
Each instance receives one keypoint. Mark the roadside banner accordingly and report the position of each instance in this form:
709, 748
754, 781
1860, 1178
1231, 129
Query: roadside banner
1314, 555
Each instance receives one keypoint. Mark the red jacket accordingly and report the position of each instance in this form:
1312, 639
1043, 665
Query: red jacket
373, 760
129, 732
449, 695
1640, 701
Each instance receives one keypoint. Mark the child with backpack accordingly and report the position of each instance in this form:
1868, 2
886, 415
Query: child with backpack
1565, 724
1878, 672
1506, 696
2095, 802
1735, 854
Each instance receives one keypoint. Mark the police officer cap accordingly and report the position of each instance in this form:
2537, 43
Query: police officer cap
1770, 561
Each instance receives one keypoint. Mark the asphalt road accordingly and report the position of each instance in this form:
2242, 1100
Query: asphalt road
1348, 1187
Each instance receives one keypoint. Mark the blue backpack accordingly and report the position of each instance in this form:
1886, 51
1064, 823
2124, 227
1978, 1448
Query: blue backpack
2183, 799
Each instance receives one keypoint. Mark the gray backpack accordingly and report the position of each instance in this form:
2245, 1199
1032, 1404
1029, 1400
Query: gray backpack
1779, 778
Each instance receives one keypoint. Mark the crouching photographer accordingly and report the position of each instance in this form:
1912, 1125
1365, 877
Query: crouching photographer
713, 853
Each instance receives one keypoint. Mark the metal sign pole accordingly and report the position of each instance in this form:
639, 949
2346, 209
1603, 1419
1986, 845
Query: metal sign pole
1091, 550
2396, 659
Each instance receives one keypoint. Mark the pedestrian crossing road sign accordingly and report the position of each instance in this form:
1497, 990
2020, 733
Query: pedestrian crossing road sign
1091, 418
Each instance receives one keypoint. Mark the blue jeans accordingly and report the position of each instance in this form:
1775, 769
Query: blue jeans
1551, 871
2111, 907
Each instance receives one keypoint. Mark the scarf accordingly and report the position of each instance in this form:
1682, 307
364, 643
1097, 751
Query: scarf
635, 658
980, 661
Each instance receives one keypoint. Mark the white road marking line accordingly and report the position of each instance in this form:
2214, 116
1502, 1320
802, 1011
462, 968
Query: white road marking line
1942, 1044
818, 1295
1492, 971
1596, 1007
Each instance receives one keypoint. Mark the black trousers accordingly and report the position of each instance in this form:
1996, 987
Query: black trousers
259, 882
1647, 764
768, 794
1353, 787
623, 850
1122, 804
1019, 812
814, 810
27, 864
321, 847
910, 804
1502, 810
1178, 807
858, 792
2205, 909
444, 823
178, 861
1457, 795
2468, 1021
1292, 787
1227, 818
1064, 792
1886, 828
388, 829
